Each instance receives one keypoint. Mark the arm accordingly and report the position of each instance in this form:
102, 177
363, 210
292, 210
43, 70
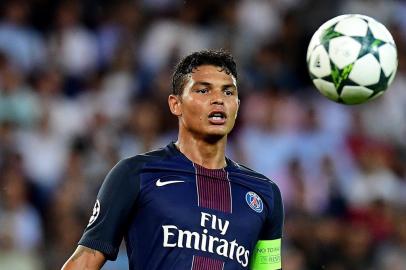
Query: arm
267, 252
104, 233
85, 259
267, 255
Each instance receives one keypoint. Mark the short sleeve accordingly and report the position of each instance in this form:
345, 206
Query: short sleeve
112, 210
274, 222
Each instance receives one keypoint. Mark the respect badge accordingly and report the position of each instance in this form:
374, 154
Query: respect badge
267, 255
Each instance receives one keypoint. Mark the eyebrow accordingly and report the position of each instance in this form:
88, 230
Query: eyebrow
202, 83
209, 84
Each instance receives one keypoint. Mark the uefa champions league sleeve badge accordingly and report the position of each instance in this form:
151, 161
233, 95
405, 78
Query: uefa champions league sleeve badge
95, 214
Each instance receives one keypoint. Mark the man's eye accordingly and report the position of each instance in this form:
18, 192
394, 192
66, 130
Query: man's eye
202, 91
229, 92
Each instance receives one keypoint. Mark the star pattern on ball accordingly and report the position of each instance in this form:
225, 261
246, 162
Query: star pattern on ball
370, 44
328, 35
340, 76
352, 59
382, 84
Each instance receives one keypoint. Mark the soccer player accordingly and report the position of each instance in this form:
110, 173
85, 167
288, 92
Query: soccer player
187, 206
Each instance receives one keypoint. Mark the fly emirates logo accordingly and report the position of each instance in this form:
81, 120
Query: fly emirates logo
175, 237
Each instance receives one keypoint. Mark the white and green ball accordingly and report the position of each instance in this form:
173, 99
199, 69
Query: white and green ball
352, 59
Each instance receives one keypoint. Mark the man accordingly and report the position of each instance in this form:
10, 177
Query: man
187, 206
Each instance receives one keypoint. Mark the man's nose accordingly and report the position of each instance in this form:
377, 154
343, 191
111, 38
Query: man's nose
217, 98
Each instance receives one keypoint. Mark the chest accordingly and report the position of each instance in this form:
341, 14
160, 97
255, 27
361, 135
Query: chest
217, 205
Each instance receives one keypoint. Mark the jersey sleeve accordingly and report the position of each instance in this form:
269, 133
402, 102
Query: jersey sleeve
267, 252
274, 221
112, 210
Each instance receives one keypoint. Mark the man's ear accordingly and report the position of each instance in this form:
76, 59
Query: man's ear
238, 108
174, 103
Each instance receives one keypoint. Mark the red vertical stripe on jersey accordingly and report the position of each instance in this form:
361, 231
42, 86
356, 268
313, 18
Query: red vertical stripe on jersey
213, 188
203, 263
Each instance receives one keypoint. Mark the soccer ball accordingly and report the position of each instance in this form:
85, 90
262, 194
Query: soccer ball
352, 59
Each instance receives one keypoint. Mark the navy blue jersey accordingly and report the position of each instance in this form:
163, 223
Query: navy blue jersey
175, 214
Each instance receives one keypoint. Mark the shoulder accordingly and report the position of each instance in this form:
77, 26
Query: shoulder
138, 161
128, 169
254, 176
244, 170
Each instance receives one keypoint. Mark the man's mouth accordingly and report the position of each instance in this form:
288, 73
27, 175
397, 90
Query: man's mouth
217, 117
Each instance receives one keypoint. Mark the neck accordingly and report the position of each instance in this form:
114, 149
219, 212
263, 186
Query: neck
208, 154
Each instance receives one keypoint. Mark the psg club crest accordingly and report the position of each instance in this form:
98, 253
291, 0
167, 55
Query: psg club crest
254, 201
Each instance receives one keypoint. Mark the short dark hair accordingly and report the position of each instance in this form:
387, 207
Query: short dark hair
218, 58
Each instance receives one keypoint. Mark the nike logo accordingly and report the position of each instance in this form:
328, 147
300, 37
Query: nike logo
159, 183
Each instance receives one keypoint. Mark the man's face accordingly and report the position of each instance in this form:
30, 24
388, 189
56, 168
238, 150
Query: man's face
209, 102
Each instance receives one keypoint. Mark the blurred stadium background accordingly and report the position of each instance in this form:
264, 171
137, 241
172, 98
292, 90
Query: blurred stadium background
84, 84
